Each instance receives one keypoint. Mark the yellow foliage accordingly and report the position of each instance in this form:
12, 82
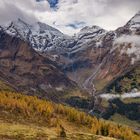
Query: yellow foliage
32, 106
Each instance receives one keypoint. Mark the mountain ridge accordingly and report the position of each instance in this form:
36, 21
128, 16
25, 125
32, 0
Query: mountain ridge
38, 60
90, 50
31, 72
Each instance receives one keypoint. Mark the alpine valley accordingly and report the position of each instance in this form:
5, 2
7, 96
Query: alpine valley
95, 71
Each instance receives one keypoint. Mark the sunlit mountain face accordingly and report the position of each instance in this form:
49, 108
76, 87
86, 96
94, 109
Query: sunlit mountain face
52, 3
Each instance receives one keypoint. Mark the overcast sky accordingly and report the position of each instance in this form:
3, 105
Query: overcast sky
69, 16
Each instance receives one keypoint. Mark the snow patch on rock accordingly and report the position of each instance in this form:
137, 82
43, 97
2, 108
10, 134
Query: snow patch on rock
41, 36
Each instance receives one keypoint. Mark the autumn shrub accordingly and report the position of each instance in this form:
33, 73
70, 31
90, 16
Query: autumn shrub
30, 106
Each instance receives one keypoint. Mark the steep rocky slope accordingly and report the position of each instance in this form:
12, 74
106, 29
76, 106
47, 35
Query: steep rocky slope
41, 36
107, 56
100, 57
124, 54
28, 71
93, 58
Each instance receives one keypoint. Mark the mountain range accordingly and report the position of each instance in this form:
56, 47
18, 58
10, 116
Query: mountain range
92, 58
79, 70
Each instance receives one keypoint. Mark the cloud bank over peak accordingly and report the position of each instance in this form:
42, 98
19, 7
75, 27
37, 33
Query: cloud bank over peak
70, 16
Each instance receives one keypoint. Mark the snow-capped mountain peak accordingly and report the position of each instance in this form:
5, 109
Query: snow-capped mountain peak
136, 18
134, 22
36, 28
88, 32
17, 28
44, 38
93, 28
41, 36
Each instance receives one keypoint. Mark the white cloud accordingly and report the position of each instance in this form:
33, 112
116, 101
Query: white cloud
133, 51
108, 14
133, 39
24, 9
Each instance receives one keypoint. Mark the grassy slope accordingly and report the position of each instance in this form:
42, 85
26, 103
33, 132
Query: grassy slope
21, 131
16, 125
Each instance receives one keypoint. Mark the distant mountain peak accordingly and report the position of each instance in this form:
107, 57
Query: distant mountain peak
92, 28
36, 25
92, 32
93, 47
42, 37
134, 22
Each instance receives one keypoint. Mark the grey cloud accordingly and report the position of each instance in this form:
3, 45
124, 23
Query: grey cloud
108, 14
24, 9
15, 12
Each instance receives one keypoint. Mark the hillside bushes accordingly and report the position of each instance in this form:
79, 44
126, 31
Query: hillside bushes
30, 106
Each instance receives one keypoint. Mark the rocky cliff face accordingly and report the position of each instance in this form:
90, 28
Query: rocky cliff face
29, 71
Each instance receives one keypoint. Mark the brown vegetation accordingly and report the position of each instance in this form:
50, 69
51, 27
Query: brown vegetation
29, 106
